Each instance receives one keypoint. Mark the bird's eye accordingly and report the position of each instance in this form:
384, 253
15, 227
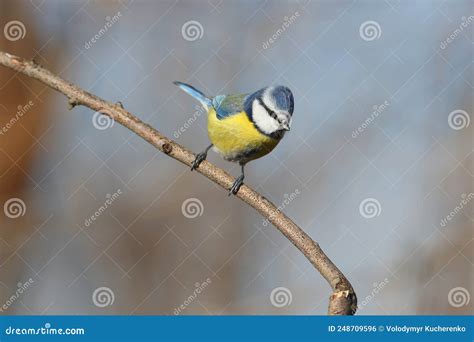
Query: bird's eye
269, 111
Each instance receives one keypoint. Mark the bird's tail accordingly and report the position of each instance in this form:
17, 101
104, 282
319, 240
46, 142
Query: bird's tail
205, 101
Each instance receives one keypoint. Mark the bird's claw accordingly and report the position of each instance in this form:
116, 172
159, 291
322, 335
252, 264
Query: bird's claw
200, 157
236, 186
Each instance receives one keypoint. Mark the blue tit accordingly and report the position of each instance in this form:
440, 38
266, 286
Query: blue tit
244, 127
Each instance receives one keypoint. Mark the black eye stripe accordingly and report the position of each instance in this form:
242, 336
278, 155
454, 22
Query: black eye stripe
269, 111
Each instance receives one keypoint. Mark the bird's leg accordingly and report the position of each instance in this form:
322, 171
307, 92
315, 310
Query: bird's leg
238, 182
200, 157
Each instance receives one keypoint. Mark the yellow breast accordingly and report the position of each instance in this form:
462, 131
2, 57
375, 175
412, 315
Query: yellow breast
236, 138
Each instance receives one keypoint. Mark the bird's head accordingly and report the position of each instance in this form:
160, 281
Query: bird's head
271, 109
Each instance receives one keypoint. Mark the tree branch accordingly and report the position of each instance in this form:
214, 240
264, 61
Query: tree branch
343, 300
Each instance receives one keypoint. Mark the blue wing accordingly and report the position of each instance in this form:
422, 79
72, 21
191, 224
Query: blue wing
225, 105
228, 105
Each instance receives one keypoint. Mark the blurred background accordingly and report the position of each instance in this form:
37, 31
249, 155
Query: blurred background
378, 167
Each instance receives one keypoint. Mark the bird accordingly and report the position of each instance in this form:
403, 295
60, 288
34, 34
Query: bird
244, 127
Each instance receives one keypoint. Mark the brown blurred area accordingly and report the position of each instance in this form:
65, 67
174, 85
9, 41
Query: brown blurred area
19, 148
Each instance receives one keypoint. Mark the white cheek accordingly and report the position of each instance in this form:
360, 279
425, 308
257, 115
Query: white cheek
264, 121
